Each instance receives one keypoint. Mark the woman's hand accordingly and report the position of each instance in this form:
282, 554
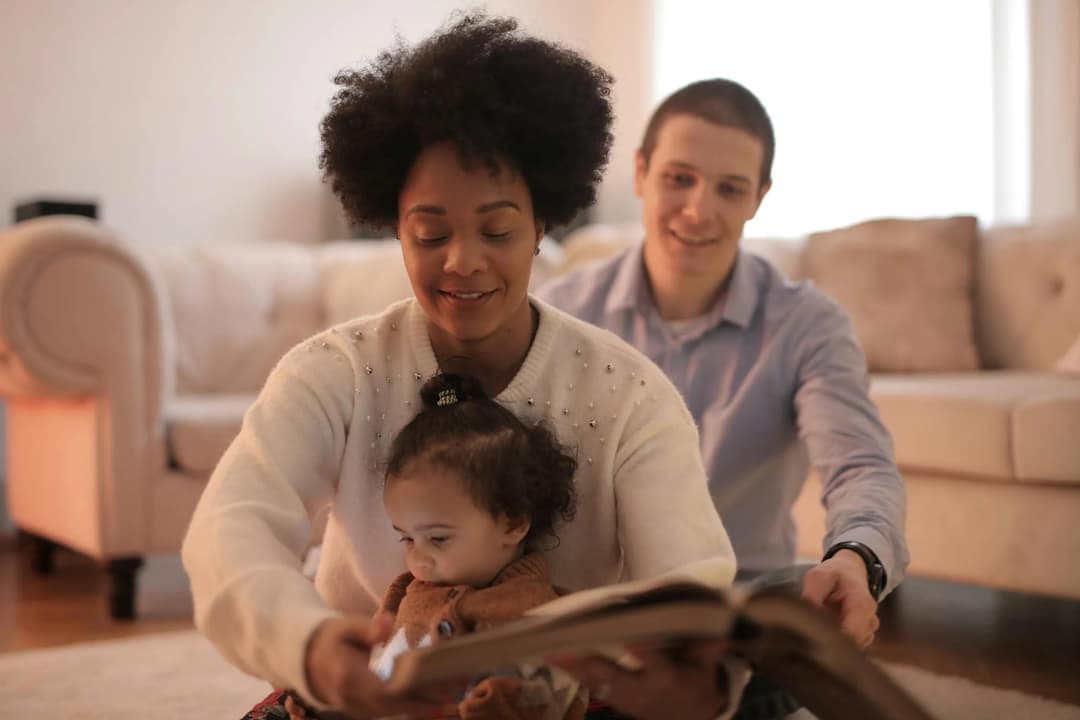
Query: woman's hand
336, 664
687, 684
839, 584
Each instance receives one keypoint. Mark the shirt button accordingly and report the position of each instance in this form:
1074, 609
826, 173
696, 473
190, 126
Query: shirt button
445, 628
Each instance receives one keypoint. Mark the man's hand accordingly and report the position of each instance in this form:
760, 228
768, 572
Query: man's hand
840, 584
336, 664
667, 686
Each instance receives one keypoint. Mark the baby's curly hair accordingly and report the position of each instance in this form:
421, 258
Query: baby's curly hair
509, 467
501, 97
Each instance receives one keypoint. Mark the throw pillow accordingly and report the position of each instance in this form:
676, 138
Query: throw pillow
907, 285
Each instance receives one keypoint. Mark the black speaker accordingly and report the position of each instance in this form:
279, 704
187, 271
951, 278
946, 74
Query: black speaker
45, 206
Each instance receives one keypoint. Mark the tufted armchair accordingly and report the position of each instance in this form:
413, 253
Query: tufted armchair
127, 369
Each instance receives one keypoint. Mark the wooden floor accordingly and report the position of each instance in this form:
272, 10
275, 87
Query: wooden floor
1003, 639
1010, 640
69, 606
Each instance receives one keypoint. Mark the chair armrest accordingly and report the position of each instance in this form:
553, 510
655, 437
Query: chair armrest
80, 313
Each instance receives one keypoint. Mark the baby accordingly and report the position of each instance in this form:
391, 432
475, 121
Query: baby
475, 494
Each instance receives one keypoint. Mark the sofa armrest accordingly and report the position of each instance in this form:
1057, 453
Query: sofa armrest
79, 314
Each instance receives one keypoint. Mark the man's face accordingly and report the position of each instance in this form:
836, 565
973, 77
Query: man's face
698, 189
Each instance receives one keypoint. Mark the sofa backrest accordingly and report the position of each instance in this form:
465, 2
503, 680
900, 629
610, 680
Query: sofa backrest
1026, 303
235, 309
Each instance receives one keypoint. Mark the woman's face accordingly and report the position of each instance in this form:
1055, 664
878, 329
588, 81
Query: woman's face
468, 239
699, 188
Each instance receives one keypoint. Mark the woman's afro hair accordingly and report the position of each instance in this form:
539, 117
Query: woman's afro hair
503, 98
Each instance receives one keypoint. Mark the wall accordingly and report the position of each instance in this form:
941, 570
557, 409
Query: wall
194, 121
198, 120
620, 37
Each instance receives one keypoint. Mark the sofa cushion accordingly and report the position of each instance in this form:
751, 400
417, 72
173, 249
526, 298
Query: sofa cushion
199, 429
1002, 425
362, 285
907, 285
235, 309
1046, 434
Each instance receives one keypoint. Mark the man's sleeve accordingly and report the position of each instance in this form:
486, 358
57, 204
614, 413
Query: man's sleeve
848, 444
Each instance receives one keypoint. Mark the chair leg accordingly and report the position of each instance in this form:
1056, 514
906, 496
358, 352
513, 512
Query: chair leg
44, 554
122, 572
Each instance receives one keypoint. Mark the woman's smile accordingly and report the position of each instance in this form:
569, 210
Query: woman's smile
466, 298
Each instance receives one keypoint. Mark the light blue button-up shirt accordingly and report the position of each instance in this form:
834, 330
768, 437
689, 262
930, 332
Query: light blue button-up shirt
777, 383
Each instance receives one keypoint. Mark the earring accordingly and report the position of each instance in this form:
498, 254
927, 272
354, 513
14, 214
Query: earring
537, 250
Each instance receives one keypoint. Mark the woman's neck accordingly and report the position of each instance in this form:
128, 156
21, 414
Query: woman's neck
493, 360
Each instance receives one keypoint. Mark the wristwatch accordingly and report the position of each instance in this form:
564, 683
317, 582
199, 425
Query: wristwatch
875, 571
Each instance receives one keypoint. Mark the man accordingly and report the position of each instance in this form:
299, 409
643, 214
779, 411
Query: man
770, 369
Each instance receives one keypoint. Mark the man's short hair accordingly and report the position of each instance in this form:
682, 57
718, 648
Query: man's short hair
722, 102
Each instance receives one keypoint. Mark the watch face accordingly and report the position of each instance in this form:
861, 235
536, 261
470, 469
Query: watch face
877, 579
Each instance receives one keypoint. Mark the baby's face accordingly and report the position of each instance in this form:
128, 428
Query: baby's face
448, 538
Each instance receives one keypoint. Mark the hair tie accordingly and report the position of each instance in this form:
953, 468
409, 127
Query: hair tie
447, 396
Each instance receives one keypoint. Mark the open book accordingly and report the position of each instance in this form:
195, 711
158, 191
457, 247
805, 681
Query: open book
798, 647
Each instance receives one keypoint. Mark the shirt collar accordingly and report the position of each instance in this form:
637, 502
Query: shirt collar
630, 289
742, 293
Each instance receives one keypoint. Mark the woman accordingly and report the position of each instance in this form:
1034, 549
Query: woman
470, 144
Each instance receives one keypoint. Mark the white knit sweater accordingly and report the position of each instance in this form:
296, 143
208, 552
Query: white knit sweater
316, 438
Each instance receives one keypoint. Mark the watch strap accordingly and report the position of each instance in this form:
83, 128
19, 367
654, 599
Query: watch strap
875, 571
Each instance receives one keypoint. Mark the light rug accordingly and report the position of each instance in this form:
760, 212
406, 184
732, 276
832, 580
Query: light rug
179, 675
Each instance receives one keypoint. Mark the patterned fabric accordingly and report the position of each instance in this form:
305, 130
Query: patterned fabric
272, 707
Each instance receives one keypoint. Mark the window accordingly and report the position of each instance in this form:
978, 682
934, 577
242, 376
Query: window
880, 109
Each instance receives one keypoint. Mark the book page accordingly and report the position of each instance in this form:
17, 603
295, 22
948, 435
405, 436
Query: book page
711, 573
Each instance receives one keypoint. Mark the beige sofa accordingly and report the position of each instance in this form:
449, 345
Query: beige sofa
126, 369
